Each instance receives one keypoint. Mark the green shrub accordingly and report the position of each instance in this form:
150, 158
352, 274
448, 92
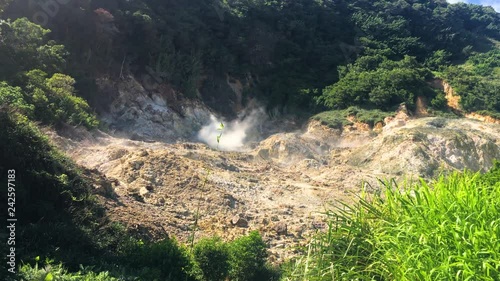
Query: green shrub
439, 101
334, 119
338, 118
495, 115
163, 260
54, 198
13, 97
248, 256
55, 100
438, 60
212, 256
477, 81
370, 117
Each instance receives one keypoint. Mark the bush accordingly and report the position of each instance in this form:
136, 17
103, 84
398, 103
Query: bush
55, 100
54, 202
334, 119
439, 101
212, 256
495, 115
163, 260
13, 97
338, 118
370, 117
477, 82
248, 256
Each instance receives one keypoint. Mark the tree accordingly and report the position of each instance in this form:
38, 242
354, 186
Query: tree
248, 257
24, 47
377, 82
13, 97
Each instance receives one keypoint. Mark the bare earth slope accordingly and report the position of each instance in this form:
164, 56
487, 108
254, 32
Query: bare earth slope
281, 186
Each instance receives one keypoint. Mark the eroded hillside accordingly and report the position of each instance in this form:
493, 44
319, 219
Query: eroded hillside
280, 185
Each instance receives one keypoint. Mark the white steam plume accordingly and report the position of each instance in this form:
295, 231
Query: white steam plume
235, 134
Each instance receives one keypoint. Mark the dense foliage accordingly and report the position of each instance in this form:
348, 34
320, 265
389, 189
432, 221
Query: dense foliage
53, 197
376, 82
286, 52
33, 64
446, 229
478, 82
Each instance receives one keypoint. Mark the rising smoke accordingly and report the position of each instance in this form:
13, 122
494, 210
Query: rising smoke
236, 133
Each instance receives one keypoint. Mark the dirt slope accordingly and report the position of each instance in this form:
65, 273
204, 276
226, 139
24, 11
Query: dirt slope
280, 186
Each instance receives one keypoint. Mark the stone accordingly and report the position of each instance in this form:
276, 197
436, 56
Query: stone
239, 221
281, 228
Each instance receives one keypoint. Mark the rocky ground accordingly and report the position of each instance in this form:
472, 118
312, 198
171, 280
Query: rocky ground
280, 186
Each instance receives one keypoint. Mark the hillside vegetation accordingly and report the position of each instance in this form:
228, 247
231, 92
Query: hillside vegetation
477, 82
286, 52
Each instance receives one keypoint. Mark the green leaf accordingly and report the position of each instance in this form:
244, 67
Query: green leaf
49, 277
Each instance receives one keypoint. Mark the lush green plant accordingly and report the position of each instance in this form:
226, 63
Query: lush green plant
495, 115
13, 96
447, 229
25, 46
163, 260
32, 61
55, 100
248, 259
438, 60
477, 82
212, 256
375, 81
439, 101
54, 198
339, 118
370, 117
335, 119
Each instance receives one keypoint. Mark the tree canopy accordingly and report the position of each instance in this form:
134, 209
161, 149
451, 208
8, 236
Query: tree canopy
286, 52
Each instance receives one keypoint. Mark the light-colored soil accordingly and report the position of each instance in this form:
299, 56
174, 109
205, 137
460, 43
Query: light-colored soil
286, 181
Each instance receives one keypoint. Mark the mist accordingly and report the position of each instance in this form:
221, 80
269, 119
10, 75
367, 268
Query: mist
236, 133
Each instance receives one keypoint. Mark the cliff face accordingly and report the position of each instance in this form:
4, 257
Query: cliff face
158, 114
452, 98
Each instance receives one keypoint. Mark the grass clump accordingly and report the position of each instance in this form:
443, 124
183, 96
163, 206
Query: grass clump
495, 115
334, 119
339, 118
448, 229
